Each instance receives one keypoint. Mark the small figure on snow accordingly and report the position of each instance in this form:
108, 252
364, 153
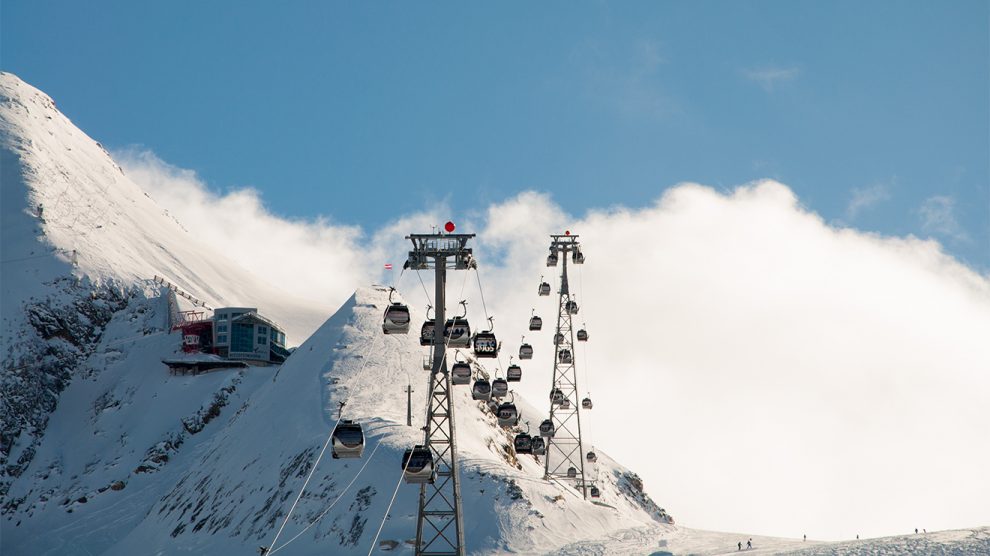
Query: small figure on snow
740, 545
805, 537
749, 544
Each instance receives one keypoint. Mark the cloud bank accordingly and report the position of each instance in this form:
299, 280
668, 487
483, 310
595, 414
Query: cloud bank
762, 370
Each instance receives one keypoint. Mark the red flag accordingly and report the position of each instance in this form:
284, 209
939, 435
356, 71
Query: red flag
388, 266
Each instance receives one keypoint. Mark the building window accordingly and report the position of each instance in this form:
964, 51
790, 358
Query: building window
262, 329
242, 337
235, 315
262, 340
221, 328
222, 339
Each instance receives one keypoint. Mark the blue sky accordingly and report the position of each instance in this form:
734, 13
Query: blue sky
877, 114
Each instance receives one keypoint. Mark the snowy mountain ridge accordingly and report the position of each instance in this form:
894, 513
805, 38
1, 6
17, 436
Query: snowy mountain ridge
106, 452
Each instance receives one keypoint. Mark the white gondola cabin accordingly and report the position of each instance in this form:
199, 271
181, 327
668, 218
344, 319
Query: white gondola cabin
426, 333
396, 319
508, 415
544, 288
457, 332
539, 446
482, 390
513, 373
547, 428
460, 373
500, 388
535, 323
485, 345
525, 351
348, 440
523, 443
417, 465
565, 404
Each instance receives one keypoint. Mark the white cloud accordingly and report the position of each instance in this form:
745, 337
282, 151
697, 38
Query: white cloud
770, 77
938, 216
762, 370
865, 197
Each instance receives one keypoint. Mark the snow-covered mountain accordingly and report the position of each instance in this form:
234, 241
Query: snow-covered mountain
105, 452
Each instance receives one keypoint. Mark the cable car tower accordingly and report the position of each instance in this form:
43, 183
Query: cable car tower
440, 524
565, 455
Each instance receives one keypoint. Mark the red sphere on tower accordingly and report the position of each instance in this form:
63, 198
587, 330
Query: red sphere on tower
449, 226
567, 232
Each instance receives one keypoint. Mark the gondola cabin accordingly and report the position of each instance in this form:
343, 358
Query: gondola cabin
485, 344
525, 351
417, 465
558, 339
535, 323
482, 390
565, 356
577, 257
547, 428
396, 319
586, 403
500, 388
591, 457
582, 335
457, 332
426, 333
556, 396
523, 443
544, 288
571, 472
539, 447
552, 259
508, 415
513, 373
565, 404
348, 440
595, 492
460, 373
571, 307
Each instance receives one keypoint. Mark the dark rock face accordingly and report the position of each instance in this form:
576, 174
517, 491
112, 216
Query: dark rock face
41, 358
632, 485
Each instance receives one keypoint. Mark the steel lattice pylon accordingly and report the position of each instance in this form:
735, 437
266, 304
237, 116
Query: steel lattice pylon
440, 524
564, 448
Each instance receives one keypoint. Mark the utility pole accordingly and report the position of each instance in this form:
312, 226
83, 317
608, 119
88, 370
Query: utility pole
565, 453
440, 524
409, 392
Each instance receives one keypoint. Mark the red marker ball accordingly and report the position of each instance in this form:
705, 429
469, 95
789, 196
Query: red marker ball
567, 232
449, 226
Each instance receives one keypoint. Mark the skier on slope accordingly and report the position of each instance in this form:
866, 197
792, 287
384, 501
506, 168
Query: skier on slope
740, 545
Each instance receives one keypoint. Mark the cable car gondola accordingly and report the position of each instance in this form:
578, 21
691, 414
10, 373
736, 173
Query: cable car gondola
460, 373
508, 415
565, 404
571, 472
513, 373
523, 443
457, 331
582, 335
417, 465
482, 390
544, 288
500, 387
539, 446
535, 322
571, 307
558, 339
552, 259
577, 257
396, 318
565, 356
591, 457
547, 428
586, 403
426, 332
348, 440
595, 493
485, 343
525, 351
556, 396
